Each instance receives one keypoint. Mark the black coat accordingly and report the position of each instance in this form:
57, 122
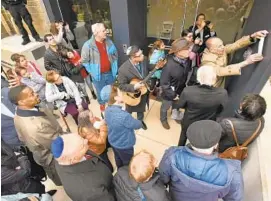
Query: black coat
126, 188
201, 103
54, 61
243, 128
126, 73
89, 180
206, 36
15, 180
174, 75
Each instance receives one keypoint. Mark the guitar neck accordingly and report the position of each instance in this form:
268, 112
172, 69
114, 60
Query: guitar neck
149, 75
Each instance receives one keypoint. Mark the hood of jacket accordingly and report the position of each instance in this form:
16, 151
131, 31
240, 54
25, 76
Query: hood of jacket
201, 173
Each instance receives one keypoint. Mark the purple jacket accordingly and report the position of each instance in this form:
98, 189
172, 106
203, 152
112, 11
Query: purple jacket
195, 177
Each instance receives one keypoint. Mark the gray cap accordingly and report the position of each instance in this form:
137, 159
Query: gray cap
204, 134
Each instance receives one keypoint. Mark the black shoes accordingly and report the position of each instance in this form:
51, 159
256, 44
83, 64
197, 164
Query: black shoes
144, 126
38, 39
25, 42
165, 125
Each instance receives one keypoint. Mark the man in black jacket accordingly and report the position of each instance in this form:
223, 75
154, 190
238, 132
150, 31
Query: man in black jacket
15, 173
18, 11
173, 79
201, 102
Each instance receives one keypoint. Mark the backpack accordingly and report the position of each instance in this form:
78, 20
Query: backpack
239, 152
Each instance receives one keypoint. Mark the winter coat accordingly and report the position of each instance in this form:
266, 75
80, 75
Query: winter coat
89, 180
206, 34
54, 61
173, 78
52, 94
243, 128
19, 196
37, 83
39, 136
91, 58
127, 189
8, 131
195, 177
154, 58
201, 103
127, 72
121, 126
220, 63
15, 180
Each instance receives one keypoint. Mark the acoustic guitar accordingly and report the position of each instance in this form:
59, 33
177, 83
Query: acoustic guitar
133, 99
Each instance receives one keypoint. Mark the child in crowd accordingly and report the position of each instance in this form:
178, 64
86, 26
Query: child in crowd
140, 181
74, 58
65, 94
156, 53
34, 81
95, 131
121, 126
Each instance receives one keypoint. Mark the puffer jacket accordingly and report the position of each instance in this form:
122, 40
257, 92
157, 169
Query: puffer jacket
15, 180
195, 177
91, 58
243, 128
128, 189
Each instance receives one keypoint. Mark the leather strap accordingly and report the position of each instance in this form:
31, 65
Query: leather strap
233, 132
252, 137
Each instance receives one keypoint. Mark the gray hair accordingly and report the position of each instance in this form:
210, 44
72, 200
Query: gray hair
206, 75
96, 28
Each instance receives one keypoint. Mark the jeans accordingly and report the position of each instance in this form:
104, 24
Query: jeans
71, 109
89, 83
140, 116
164, 108
123, 156
106, 79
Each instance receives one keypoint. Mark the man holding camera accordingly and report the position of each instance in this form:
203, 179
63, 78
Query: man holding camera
18, 11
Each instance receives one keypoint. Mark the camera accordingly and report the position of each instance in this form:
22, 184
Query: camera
207, 22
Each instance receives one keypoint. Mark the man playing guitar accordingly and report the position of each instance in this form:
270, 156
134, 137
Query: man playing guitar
137, 66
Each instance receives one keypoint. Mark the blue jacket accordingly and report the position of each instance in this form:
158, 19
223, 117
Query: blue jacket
91, 58
8, 131
121, 126
195, 177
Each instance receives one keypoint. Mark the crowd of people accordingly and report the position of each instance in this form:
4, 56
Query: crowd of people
191, 76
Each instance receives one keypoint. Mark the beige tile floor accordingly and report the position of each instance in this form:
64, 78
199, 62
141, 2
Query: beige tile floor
156, 140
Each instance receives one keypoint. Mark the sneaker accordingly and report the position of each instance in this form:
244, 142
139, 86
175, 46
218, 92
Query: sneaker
51, 192
25, 42
102, 108
39, 40
165, 125
144, 126
176, 115
93, 95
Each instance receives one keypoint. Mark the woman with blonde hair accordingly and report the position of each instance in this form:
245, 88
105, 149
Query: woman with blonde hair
140, 180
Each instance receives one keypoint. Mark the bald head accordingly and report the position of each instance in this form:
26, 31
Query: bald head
215, 45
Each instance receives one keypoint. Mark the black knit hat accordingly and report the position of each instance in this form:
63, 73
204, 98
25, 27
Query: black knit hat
204, 134
14, 93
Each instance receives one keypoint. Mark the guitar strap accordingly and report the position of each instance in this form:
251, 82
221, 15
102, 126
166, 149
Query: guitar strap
140, 75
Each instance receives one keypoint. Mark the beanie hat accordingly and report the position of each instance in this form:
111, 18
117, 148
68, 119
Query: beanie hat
204, 134
105, 93
14, 93
67, 145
